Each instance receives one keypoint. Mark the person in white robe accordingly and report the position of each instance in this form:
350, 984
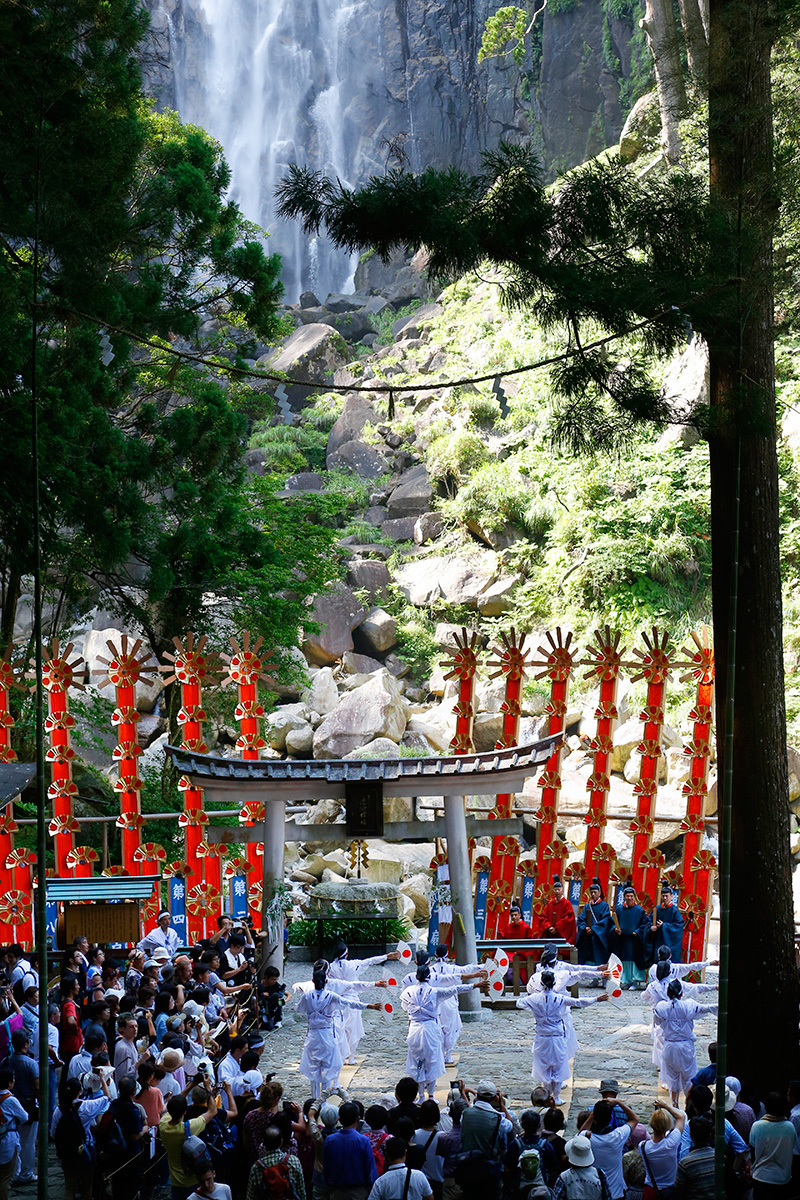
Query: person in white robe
322, 1058
566, 975
677, 970
677, 1017
163, 935
656, 992
347, 970
550, 1047
444, 974
425, 1057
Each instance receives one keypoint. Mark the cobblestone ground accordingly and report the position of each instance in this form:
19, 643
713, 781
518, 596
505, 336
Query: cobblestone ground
612, 1042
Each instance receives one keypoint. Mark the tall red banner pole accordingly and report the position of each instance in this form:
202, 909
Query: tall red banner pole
510, 663
604, 660
10, 901
557, 663
203, 900
698, 865
245, 669
58, 676
123, 671
654, 666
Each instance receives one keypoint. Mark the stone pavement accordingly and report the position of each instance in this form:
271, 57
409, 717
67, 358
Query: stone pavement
613, 1042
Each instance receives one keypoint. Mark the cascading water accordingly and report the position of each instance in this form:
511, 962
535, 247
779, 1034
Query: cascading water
270, 80
327, 84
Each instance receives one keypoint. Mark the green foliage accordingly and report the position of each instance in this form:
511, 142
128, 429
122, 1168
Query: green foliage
360, 931
416, 644
290, 448
386, 319
452, 454
505, 32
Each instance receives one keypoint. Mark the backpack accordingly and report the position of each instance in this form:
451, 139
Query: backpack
194, 1153
529, 1166
70, 1135
276, 1182
110, 1137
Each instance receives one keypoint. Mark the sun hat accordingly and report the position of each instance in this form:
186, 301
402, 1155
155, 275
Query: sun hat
172, 1059
579, 1151
151, 962
608, 1085
486, 1088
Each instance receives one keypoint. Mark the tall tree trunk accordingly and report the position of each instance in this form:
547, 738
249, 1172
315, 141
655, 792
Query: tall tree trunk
762, 1011
696, 39
659, 25
11, 594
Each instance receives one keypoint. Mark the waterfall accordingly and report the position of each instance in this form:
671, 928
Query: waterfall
270, 80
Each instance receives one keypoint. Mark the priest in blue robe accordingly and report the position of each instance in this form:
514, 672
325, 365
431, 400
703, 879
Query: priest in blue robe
666, 927
594, 928
629, 939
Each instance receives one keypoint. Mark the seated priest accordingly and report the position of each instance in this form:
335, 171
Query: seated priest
558, 916
514, 928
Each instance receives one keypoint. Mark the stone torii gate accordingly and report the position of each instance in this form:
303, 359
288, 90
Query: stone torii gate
362, 784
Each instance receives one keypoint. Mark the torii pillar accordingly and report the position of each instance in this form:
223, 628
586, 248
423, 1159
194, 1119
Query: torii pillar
463, 664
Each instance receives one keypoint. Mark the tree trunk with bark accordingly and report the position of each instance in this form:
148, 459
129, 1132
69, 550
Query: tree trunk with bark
763, 1003
696, 38
659, 25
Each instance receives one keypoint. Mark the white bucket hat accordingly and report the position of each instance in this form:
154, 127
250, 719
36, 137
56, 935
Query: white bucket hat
579, 1151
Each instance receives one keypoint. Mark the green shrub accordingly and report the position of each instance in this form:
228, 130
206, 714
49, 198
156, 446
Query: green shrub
358, 931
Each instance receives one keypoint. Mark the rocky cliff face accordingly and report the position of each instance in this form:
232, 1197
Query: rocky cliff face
330, 83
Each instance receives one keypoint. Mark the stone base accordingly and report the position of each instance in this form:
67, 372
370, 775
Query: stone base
472, 1018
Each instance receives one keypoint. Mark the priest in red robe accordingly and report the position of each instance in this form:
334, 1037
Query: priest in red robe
558, 916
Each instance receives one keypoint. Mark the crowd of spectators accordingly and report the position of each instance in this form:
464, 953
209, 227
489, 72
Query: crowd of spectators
156, 1091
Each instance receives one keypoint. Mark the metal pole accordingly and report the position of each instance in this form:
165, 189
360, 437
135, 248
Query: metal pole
455, 823
725, 818
272, 875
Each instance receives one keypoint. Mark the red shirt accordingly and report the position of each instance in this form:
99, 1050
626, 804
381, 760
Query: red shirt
516, 930
71, 1038
560, 915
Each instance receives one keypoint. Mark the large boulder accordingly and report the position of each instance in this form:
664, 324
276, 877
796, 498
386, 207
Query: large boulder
340, 302
499, 596
625, 740
452, 578
371, 711
322, 695
95, 647
352, 419
378, 630
360, 664
413, 494
311, 353
415, 325
338, 613
418, 889
369, 574
278, 724
300, 742
358, 457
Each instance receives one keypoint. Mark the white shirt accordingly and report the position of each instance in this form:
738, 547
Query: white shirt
157, 937
220, 1191
22, 968
391, 1185
433, 1162
608, 1149
663, 1158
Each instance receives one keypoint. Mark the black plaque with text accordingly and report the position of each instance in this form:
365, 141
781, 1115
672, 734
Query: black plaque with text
364, 807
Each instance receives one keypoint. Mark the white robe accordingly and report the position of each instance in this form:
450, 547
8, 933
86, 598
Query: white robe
346, 970
678, 1062
550, 1044
447, 974
566, 975
323, 1056
655, 993
425, 1057
157, 937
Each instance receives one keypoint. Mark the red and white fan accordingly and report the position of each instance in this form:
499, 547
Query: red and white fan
613, 986
502, 959
387, 1008
405, 952
390, 979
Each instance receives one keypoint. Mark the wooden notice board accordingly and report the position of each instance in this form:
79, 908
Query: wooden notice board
102, 921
